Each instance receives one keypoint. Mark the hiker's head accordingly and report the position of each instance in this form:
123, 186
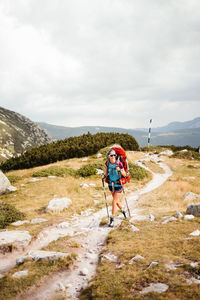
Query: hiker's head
111, 155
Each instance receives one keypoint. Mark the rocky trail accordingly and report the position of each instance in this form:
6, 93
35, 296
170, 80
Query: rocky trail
86, 231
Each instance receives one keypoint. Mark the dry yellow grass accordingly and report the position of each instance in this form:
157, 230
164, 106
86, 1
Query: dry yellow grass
153, 167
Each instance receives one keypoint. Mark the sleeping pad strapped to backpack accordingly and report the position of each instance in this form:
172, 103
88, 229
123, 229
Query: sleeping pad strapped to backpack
112, 172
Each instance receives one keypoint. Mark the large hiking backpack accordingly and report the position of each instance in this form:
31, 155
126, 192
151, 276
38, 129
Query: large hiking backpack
121, 157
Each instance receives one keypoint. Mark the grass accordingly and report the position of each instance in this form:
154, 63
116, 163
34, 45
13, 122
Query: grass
11, 287
9, 214
155, 242
153, 167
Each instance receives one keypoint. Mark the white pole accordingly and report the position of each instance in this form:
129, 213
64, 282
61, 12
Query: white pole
149, 137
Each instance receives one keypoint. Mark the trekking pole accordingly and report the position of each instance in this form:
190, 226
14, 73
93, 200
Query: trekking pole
124, 195
105, 197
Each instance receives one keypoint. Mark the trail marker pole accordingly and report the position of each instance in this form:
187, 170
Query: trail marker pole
149, 137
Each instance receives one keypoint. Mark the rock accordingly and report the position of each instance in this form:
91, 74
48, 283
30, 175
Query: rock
11, 188
60, 287
195, 233
194, 264
84, 272
171, 219
99, 171
58, 204
155, 287
4, 183
178, 215
21, 260
51, 177
96, 201
22, 184
109, 256
19, 239
189, 178
84, 185
92, 184
63, 225
192, 280
152, 264
20, 274
98, 155
188, 217
167, 152
172, 266
38, 220
138, 218
194, 209
19, 223
137, 257
189, 196
184, 150
37, 255
85, 159
36, 179
151, 218
120, 266
134, 228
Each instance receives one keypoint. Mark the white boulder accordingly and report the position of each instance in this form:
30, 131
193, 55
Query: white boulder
137, 257
167, 152
98, 155
171, 219
19, 239
19, 223
134, 228
37, 255
195, 233
84, 185
4, 183
58, 204
38, 220
155, 287
189, 196
20, 274
188, 217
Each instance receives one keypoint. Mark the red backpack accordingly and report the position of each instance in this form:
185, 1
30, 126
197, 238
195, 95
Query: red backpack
121, 157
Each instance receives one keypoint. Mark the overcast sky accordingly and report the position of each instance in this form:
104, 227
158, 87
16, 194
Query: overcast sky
101, 62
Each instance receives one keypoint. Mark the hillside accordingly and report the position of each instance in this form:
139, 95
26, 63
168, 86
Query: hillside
18, 134
151, 249
181, 137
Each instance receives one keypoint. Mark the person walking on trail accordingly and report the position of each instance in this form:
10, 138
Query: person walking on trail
114, 171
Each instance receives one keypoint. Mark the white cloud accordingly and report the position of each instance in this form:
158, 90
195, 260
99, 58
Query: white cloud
94, 62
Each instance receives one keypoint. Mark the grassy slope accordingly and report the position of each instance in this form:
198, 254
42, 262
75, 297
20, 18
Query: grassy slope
34, 196
155, 242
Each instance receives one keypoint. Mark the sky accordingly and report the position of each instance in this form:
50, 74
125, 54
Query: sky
111, 63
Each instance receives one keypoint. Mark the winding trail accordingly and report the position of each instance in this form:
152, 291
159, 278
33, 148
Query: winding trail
92, 239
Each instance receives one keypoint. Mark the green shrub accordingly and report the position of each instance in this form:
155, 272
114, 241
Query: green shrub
137, 172
87, 170
9, 214
13, 178
186, 155
54, 171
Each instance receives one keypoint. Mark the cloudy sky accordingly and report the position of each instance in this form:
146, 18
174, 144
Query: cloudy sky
101, 62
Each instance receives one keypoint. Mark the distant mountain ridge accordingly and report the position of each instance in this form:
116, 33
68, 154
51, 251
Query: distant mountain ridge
18, 134
175, 136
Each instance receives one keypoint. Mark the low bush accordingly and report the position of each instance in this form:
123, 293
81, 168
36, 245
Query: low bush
54, 171
9, 214
87, 170
13, 178
137, 172
186, 155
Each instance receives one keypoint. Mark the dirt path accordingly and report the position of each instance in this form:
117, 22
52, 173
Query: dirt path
92, 240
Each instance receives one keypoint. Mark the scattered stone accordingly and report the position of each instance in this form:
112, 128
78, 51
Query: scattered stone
92, 184
63, 225
84, 185
37, 255
194, 209
195, 233
109, 256
98, 155
4, 183
184, 150
20, 274
134, 228
155, 287
120, 266
22, 184
188, 217
68, 285
167, 152
138, 218
51, 176
38, 220
96, 201
99, 171
171, 219
85, 159
21, 260
189, 196
137, 257
19, 239
60, 287
152, 264
58, 204
151, 218
11, 188
192, 280
36, 179
178, 215
194, 264
19, 223
172, 266
84, 272
189, 178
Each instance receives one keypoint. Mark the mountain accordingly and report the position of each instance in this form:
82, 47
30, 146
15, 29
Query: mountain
187, 136
18, 134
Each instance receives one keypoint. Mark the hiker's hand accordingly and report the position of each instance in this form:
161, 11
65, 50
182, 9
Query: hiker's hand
118, 169
103, 176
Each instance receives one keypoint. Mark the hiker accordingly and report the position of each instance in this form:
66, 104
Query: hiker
114, 171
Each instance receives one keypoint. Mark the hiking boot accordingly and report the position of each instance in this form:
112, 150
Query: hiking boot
111, 224
124, 213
